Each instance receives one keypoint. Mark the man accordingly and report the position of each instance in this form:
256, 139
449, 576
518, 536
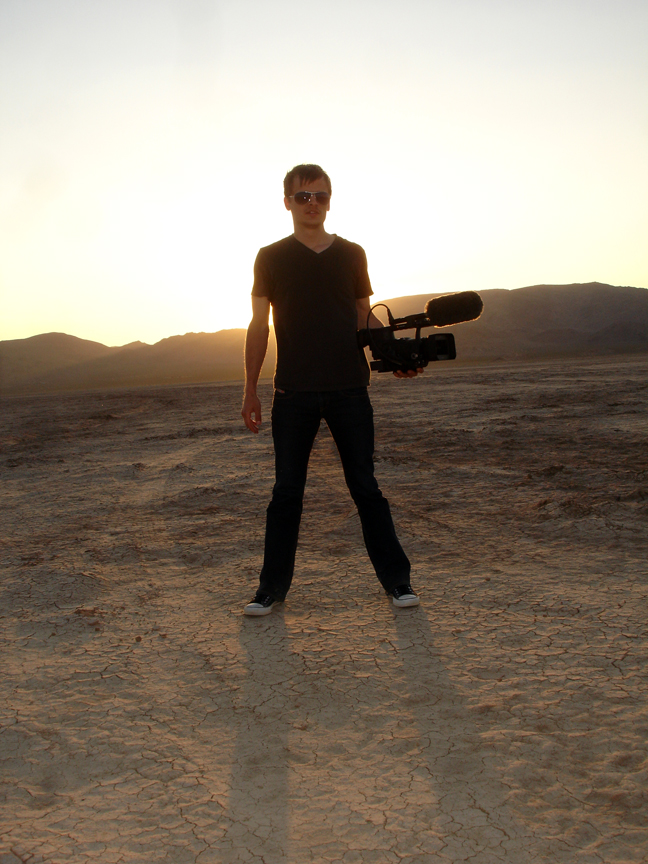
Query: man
319, 289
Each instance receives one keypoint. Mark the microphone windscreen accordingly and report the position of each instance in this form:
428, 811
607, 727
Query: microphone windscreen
454, 308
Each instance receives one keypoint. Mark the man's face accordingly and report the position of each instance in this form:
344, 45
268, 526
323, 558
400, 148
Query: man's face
312, 214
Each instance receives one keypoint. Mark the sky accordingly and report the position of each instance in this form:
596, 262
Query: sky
472, 144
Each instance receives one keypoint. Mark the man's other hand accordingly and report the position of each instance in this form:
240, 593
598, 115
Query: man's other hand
411, 373
251, 413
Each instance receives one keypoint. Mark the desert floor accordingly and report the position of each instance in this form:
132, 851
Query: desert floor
144, 719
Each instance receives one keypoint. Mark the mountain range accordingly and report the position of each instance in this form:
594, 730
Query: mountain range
538, 321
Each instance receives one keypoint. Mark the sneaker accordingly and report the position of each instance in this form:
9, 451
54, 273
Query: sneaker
261, 605
403, 595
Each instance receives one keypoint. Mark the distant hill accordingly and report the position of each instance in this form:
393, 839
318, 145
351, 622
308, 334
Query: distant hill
546, 320
65, 363
23, 359
537, 321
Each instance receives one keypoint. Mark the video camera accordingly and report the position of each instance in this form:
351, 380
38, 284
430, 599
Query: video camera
391, 354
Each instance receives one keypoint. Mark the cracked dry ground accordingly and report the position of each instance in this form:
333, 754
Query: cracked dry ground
144, 719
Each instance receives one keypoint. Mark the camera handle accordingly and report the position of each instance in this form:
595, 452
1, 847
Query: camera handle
409, 322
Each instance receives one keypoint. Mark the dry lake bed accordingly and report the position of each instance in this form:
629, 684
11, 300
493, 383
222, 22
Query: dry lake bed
144, 719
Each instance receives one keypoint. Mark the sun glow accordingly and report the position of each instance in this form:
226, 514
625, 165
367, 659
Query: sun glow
140, 181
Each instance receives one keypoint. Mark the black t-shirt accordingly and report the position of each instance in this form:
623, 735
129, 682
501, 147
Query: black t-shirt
313, 297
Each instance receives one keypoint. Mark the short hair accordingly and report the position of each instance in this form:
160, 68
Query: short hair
305, 173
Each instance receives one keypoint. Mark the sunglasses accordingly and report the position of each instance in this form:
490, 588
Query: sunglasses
307, 197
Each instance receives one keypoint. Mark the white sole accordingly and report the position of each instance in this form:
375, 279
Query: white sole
256, 611
406, 601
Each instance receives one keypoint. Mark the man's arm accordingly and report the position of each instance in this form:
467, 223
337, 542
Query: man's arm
363, 307
256, 344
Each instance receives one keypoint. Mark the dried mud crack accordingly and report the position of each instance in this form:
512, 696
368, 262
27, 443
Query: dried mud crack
143, 719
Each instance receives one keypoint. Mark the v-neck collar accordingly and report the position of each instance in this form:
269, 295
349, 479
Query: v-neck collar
335, 237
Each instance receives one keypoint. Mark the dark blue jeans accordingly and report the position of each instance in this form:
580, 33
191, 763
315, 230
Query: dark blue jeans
296, 418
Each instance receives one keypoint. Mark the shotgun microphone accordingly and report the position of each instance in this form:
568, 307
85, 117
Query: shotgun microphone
454, 308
